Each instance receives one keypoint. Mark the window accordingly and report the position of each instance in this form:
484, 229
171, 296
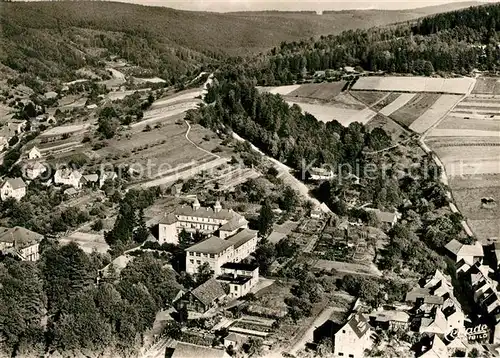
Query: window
341, 354
192, 261
235, 288
198, 254
343, 331
351, 355
198, 262
212, 256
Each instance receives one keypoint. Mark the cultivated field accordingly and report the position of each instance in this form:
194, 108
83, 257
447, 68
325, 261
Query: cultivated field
321, 91
468, 143
282, 90
468, 192
486, 85
397, 104
437, 111
415, 84
391, 127
369, 97
416, 107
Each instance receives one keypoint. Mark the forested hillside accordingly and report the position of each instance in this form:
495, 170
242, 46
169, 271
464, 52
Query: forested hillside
50, 39
454, 42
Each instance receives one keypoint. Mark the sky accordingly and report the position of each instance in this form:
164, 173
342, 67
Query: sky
292, 5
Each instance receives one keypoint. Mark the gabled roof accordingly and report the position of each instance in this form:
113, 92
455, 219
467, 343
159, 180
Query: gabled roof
212, 245
91, 178
391, 316
16, 183
425, 295
358, 323
189, 350
20, 236
234, 224
437, 350
168, 219
241, 237
209, 291
432, 324
457, 248
205, 212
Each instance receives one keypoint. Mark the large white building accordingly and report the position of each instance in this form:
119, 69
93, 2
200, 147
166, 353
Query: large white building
13, 188
203, 219
217, 251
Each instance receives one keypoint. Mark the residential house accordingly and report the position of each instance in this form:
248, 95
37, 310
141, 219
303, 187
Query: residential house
386, 218
68, 176
4, 143
390, 320
70, 192
419, 296
353, 338
434, 323
239, 277
434, 348
469, 253
109, 175
318, 174
204, 297
13, 188
188, 350
197, 218
34, 153
34, 169
21, 242
235, 341
91, 179
216, 251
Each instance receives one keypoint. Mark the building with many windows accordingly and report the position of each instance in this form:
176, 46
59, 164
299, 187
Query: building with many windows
217, 251
20, 242
198, 218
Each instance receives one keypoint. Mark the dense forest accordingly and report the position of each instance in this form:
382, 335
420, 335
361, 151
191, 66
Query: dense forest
53, 39
455, 42
282, 131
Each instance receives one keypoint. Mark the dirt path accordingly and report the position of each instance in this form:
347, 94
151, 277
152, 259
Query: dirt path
284, 173
196, 145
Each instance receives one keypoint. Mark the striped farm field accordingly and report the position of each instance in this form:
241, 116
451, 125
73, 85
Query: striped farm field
455, 122
387, 100
437, 111
328, 113
282, 90
321, 91
397, 104
415, 84
487, 85
369, 97
417, 106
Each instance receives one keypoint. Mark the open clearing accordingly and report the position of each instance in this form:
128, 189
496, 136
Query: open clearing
437, 111
179, 97
321, 91
469, 160
397, 104
415, 84
468, 192
65, 130
417, 106
327, 113
439, 132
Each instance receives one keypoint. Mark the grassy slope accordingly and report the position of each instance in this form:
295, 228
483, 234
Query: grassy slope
52, 38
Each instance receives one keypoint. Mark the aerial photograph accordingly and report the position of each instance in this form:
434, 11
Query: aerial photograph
249, 178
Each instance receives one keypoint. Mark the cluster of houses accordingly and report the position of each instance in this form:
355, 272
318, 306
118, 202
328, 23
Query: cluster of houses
432, 312
34, 168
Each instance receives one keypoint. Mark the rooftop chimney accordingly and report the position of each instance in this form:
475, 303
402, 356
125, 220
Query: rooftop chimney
217, 206
196, 204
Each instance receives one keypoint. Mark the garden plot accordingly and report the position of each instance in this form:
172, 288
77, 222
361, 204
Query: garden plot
397, 104
487, 85
455, 121
437, 111
415, 84
416, 107
65, 130
327, 113
321, 91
